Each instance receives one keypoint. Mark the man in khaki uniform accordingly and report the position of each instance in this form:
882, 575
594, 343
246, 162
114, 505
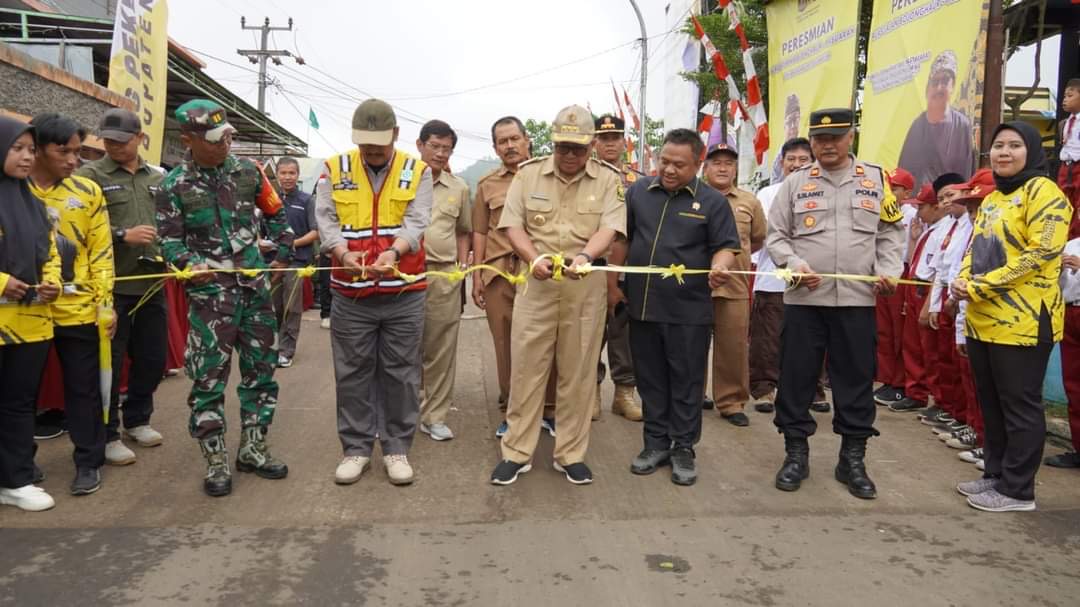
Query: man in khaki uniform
446, 247
835, 216
731, 302
569, 205
490, 291
611, 148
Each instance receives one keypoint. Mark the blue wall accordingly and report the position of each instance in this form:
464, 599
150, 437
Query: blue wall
1053, 389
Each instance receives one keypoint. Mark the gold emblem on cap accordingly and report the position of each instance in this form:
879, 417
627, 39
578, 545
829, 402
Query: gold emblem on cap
826, 120
572, 117
976, 190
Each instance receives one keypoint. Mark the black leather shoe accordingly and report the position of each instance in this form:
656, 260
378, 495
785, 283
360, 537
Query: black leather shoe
218, 482
683, 471
851, 470
708, 404
87, 481
649, 460
796, 466
737, 419
820, 406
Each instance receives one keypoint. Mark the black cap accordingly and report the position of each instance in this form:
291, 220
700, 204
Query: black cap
836, 121
610, 124
120, 125
728, 146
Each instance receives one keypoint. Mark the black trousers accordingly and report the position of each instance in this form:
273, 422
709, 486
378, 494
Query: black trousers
79, 353
21, 366
1008, 385
669, 365
849, 335
325, 296
143, 337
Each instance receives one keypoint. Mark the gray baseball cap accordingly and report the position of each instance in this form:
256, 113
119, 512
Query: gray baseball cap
120, 125
373, 123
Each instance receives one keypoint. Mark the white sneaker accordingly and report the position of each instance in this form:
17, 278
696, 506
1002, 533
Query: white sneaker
144, 435
350, 469
28, 497
398, 469
117, 453
284, 362
325, 323
439, 432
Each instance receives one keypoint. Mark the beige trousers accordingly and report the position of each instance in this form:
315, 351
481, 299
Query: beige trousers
562, 322
442, 316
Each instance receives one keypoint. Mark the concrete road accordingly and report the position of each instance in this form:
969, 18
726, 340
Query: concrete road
150, 537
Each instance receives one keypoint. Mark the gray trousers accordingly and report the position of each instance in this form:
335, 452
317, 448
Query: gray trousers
377, 365
289, 309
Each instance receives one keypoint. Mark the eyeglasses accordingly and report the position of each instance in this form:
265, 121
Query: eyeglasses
439, 148
569, 149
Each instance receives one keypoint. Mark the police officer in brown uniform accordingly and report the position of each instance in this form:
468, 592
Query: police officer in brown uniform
835, 216
611, 148
570, 206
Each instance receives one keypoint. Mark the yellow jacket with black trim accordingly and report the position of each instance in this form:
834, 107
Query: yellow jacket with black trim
77, 209
23, 324
1014, 262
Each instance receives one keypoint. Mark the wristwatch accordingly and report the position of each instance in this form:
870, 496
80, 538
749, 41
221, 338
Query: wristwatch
587, 257
118, 235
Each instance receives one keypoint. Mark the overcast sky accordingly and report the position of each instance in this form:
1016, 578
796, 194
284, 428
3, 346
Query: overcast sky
466, 62
417, 54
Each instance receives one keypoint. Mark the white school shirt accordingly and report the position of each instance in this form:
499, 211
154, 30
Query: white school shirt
921, 266
947, 263
1070, 279
1070, 148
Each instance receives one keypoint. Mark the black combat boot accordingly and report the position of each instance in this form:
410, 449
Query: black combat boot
851, 470
254, 455
796, 466
218, 481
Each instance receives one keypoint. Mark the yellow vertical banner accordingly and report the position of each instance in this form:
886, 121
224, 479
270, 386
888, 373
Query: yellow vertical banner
811, 63
138, 66
922, 98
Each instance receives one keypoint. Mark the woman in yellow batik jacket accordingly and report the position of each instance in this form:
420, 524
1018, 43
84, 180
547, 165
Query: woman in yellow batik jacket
29, 281
1015, 314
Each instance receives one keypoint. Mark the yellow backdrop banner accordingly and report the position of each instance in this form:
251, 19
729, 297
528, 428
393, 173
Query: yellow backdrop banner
138, 67
922, 97
811, 62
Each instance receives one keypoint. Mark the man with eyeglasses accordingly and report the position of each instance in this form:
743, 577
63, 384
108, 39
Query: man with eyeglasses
207, 220
561, 213
446, 247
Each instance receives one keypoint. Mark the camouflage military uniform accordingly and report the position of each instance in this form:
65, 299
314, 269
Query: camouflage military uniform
209, 216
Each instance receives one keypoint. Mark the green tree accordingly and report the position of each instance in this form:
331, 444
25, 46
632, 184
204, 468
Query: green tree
717, 27
539, 132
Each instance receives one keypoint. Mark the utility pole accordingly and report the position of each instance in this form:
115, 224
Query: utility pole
644, 77
262, 54
993, 82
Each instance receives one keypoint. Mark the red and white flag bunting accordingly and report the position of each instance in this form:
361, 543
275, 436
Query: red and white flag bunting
753, 86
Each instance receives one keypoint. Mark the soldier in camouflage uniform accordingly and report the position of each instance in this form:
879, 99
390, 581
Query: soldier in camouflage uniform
207, 220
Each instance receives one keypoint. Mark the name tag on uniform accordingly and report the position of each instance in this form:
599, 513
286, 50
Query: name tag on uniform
539, 197
691, 215
111, 188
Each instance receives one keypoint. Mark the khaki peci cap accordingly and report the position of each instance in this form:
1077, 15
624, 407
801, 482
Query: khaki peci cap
373, 123
574, 124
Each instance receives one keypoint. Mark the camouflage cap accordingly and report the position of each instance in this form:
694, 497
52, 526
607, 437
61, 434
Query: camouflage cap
204, 116
574, 124
373, 123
